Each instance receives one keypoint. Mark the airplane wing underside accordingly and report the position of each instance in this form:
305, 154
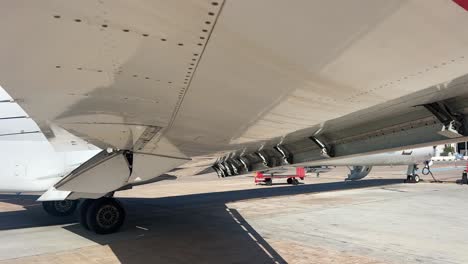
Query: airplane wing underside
254, 82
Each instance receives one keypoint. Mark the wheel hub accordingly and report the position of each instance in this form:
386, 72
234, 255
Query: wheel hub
63, 206
107, 216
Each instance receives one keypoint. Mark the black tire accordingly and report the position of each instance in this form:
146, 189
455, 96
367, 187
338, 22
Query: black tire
269, 181
83, 211
105, 215
409, 179
289, 181
60, 208
416, 178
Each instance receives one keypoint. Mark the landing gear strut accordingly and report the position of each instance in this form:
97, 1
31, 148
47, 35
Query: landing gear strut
411, 176
60, 208
102, 216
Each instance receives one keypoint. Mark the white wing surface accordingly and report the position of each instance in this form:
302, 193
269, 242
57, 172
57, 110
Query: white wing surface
179, 79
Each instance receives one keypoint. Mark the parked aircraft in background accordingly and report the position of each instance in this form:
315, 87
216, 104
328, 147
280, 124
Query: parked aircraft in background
359, 166
256, 83
32, 165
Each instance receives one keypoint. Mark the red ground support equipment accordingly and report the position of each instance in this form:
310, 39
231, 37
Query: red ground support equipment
262, 176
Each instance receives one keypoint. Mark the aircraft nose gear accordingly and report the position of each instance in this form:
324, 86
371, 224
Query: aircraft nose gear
412, 177
103, 216
60, 208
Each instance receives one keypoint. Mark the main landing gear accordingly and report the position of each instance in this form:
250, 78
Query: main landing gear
102, 216
60, 208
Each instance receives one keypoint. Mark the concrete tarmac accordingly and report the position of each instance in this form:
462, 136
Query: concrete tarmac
203, 219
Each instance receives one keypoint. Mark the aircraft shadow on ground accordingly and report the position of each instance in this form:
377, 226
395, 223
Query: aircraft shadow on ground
197, 228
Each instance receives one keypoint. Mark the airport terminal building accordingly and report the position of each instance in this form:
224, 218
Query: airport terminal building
460, 148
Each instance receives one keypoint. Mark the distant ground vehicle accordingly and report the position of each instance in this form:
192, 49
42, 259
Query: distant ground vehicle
268, 176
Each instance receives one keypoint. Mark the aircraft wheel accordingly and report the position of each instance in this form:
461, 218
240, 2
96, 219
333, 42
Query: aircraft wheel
60, 208
268, 182
105, 215
295, 181
83, 210
289, 181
